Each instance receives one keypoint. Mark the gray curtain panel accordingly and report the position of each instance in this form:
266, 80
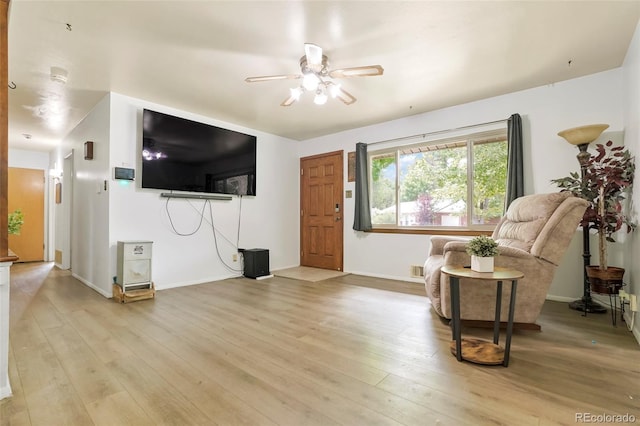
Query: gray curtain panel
362, 214
515, 179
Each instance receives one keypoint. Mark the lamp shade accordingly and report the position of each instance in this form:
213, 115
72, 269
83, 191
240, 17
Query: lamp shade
583, 134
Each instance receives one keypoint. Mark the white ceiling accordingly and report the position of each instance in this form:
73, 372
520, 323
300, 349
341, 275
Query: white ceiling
194, 56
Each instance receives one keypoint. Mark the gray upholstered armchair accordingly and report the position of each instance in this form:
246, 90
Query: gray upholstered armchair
532, 236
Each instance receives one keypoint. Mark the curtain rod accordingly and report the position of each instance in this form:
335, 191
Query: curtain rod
422, 135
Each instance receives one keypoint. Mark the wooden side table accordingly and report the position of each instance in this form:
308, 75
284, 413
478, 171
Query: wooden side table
477, 350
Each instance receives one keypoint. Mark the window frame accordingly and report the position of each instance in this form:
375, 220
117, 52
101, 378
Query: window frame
486, 136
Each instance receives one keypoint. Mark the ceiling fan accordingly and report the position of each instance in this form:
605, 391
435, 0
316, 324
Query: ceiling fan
318, 78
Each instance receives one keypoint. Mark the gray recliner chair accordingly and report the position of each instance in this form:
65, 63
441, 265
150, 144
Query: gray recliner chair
532, 238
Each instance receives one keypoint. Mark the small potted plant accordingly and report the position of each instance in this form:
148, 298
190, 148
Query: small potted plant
608, 175
482, 250
16, 219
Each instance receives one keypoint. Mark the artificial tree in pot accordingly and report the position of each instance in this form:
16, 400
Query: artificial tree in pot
606, 181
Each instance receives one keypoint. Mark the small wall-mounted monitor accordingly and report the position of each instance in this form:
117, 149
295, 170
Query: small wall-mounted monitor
123, 173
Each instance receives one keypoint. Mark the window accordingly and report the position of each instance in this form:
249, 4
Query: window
457, 183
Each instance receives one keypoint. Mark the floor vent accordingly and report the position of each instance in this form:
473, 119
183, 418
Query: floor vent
417, 271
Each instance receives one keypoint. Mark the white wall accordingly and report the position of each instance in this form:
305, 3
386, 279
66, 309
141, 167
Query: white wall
28, 159
269, 220
545, 111
631, 74
84, 203
124, 211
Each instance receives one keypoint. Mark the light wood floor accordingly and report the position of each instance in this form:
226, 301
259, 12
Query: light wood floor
285, 352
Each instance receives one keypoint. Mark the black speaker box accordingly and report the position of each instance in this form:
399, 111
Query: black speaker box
256, 263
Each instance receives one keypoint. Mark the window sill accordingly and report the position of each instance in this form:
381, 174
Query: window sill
432, 231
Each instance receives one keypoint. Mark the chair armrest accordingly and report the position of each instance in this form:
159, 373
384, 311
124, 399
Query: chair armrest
453, 245
514, 252
438, 243
461, 247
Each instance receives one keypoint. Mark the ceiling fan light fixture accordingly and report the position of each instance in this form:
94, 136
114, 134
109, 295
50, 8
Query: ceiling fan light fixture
321, 98
318, 78
296, 92
310, 82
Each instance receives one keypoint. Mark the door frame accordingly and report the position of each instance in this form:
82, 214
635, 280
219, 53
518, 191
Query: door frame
64, 225
341, 188
41, 176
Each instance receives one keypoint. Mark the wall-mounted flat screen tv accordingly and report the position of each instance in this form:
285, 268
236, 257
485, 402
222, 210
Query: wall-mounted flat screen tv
184, 155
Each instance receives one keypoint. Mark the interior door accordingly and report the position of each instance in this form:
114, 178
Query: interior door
26, 192
321, 211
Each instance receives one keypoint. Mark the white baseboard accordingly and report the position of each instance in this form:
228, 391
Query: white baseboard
106, 294
636, 326
284, 267
5, 391
388, 277
167, 286
560, 298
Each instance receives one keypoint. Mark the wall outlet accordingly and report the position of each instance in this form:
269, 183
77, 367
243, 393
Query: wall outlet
235, 257
633, 303
623, 295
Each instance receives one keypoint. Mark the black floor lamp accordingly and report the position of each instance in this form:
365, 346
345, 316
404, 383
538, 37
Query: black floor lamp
581, 137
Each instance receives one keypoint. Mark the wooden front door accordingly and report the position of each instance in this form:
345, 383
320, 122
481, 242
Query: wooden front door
321, 211
26, 192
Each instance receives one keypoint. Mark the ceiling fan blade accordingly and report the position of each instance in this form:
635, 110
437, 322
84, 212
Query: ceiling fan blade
345, 96
272, 78
313, 53
366, 71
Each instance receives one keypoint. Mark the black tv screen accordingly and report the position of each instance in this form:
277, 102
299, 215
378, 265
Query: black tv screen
184, 155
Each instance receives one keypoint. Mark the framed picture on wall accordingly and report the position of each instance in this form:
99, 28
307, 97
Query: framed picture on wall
88, 150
